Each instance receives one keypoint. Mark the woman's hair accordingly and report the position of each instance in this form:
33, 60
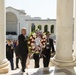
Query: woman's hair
9, 40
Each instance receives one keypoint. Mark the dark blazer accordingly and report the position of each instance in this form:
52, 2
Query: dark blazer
47, 52
17, 50
23, 48
9, 52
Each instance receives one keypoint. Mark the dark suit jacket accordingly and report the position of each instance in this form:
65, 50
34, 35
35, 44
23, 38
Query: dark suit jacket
47, 52
17, 50
9, 52
23, 48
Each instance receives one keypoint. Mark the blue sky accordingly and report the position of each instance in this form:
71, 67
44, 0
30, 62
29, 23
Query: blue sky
35, 8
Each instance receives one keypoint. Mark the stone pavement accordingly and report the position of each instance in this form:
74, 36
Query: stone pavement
45, 71
51, 70
31, 65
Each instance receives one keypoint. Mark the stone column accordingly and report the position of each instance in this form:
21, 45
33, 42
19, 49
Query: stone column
49, 28
75, 32
36, 27
3, 61
42, 28
64, 27
18, 28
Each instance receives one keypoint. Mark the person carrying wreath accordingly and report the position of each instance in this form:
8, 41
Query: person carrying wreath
38, 47
47, 50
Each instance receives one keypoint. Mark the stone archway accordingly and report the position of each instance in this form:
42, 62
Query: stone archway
45, 28
52, 28
32, 27
39, 27
11, 23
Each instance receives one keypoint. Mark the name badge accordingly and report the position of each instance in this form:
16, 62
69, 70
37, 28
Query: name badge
47, 43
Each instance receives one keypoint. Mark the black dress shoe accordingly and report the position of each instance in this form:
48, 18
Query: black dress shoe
23, 70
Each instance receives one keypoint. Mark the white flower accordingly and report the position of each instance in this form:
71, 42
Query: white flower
28, 42
41, 40
32, 44
43, 46
31, 37
43, 43
29, 47
34, 35
33, 47
44, 36
44, 39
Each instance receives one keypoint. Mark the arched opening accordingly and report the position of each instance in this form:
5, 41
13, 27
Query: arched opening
45, 28
39, 27
11, 23
32, 27
52, 29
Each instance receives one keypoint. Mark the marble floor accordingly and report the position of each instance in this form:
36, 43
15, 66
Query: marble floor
45, 71
52, 70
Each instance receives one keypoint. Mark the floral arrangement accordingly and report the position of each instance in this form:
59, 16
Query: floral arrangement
33, 48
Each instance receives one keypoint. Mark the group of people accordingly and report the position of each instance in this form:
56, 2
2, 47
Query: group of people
22, 52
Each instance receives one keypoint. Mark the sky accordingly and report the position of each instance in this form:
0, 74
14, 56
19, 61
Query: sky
36, 8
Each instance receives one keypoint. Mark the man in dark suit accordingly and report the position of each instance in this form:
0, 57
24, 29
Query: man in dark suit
23, 48
47, 50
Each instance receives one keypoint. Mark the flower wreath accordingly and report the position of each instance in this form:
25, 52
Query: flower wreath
31, 43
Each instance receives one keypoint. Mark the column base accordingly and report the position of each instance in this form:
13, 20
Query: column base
74, 54
4, 66
61, 63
